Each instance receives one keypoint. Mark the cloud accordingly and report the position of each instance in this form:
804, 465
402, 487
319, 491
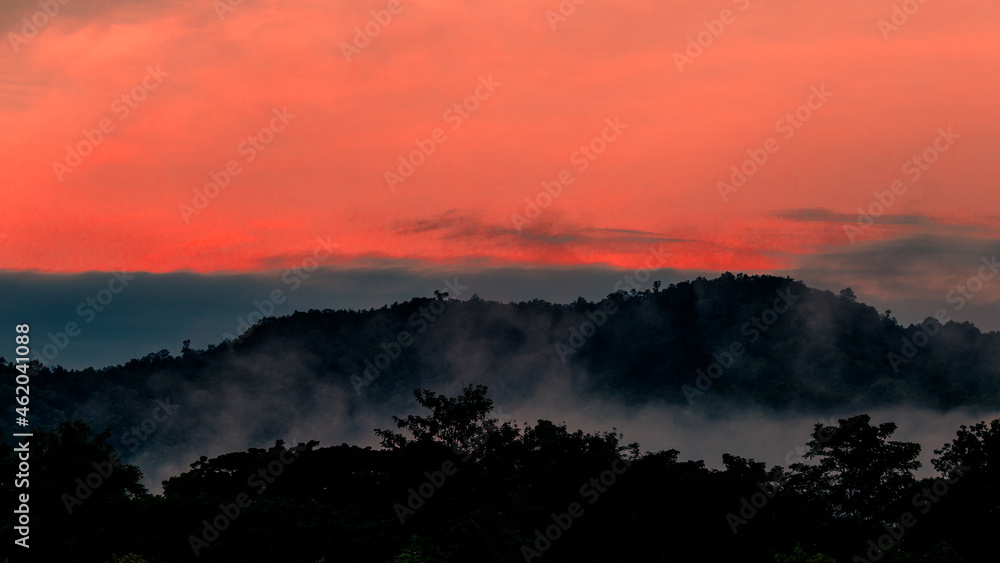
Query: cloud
471, 228
914, 277
324, 175
819, 214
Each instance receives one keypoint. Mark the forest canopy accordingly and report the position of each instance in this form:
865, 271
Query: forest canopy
453, 483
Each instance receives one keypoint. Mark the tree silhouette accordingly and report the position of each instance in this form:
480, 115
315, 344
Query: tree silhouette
860, 472
971, 465
977, 447
458, 422
82, 496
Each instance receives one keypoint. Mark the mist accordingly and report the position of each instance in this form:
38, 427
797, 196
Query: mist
234, 418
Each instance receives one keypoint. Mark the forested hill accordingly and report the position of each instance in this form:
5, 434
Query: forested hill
757, 339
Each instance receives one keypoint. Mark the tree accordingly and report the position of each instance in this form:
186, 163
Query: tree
977, 447
848, 294
459, 422
971, 462
745, 469
420, 550
860, 472
84, 497
799, 555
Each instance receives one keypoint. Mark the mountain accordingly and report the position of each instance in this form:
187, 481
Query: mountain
751, 339
710, 346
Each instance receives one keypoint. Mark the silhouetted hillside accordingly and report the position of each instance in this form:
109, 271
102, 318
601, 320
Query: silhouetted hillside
800, 348
334, 375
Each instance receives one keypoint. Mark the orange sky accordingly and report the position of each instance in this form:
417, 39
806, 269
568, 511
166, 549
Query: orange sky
323, 174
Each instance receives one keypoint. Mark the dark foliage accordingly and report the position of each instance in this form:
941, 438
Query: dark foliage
464, 487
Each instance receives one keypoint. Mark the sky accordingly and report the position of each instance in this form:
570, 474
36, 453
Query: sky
541, 147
